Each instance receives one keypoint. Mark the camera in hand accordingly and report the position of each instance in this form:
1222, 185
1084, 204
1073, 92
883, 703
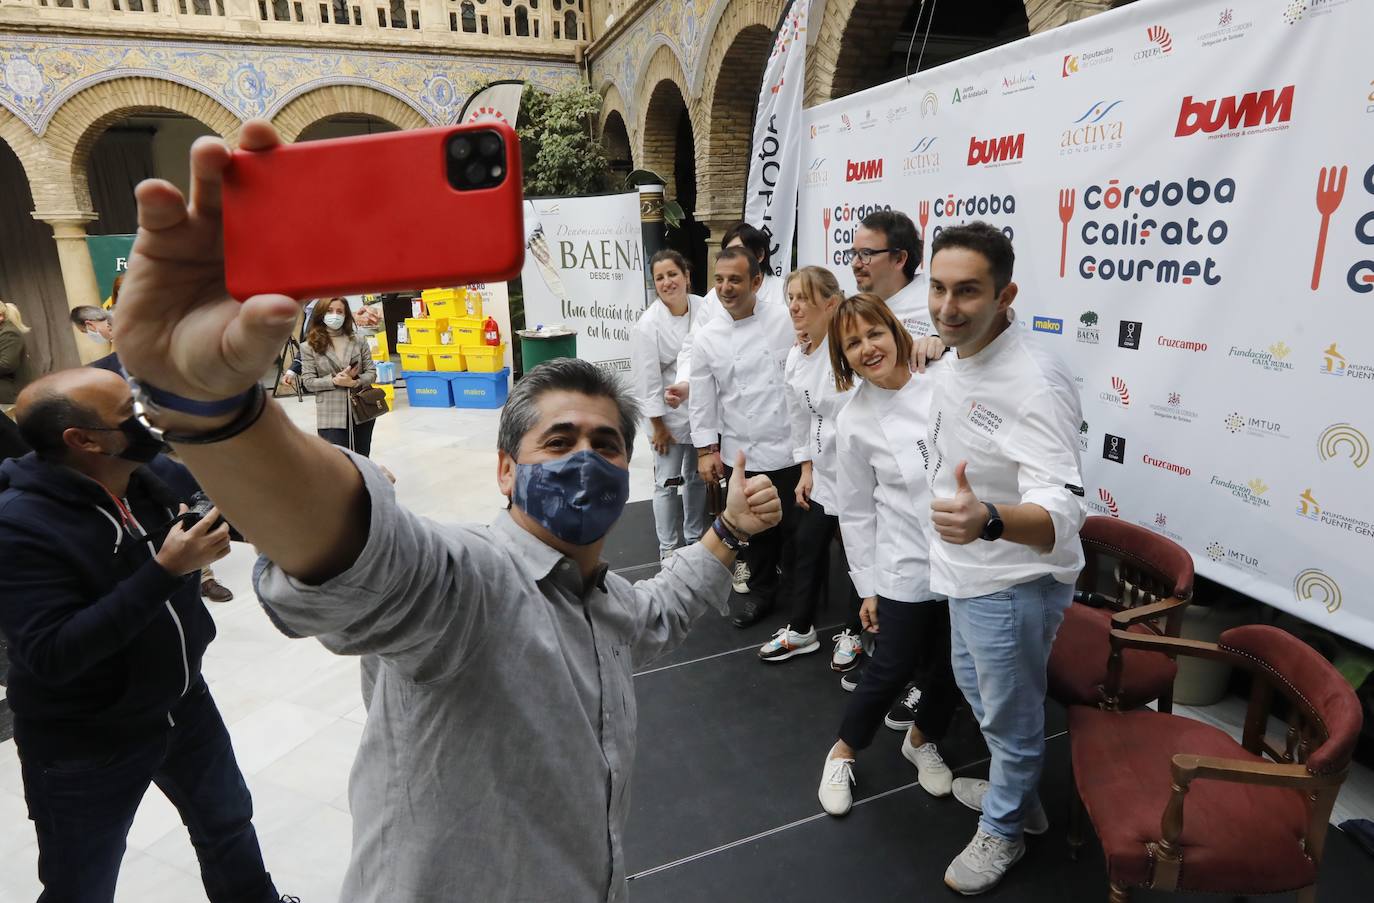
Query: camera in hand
200, 505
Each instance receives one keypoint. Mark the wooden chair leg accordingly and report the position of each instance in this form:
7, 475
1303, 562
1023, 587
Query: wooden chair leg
1077, 817
1119, 894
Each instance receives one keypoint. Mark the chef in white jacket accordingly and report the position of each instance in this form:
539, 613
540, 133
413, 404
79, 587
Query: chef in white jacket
884, 504
654, 346
738, 403
886, 260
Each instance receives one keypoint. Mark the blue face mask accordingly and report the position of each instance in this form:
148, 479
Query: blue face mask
577, 498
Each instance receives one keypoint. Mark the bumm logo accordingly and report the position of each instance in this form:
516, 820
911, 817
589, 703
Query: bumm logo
1247, 111
863, 170
996, 150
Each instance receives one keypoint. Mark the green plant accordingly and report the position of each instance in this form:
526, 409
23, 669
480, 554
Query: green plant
561, 156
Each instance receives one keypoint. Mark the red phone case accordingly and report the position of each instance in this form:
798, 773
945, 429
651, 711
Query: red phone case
368, 214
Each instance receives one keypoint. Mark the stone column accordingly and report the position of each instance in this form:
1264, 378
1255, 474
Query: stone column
78, 273
1043, 15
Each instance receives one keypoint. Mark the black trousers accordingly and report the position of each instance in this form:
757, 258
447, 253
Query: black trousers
82, 810
913, 638
815, 530
362, 437
772, 548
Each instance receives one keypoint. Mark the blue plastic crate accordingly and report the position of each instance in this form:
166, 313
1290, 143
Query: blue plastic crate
479, 390
428, 390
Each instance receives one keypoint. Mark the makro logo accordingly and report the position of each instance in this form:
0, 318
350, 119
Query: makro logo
1334, 363
923, 160
1160, 44
1245, 111
1311, 583
1167, 465
1088, 333
1096, 130
1049, 324
864, 170
990, 151
1344, 440
1181, 344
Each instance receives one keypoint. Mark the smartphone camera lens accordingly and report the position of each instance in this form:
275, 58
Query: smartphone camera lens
460, 148
476, 160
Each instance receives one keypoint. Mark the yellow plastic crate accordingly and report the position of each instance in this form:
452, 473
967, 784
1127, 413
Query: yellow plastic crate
448, 361
485, 358
430, 295
417, 360
467, 331
390, 392
380, 351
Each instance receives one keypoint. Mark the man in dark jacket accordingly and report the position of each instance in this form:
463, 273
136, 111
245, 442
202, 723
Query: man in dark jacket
99, 598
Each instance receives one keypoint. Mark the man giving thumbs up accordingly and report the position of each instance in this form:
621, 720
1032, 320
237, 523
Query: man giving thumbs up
1005, 512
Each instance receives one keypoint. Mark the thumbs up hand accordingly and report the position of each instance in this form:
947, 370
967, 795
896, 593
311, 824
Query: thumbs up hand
752, 505
959, 520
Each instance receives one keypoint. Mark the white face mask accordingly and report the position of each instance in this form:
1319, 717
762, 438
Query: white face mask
96, 337
334, 321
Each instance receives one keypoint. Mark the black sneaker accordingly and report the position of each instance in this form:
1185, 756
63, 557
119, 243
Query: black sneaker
902, 715
852, 677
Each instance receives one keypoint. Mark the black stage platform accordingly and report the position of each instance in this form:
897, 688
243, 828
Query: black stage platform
730, 754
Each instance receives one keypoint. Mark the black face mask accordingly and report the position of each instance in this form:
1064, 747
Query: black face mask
143, 446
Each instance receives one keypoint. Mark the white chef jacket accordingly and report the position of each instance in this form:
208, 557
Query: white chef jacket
1012, 412
654, 346
738, 388
884, 498
813, 403
912, 306
772, 290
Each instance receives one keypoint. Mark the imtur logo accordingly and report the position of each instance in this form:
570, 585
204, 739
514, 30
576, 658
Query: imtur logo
1216, 551
1311, 583
1345, 441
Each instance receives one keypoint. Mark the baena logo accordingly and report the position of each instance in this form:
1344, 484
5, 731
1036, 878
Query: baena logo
1119, 397
923, 160
1088, 332
1161, 44
1048, 324
1252, 493
864, 170
817, 173
1312, 583
993, 151
1343, 440
1114, 448
1128, 336
1083, 436
1244, 112
1098, 129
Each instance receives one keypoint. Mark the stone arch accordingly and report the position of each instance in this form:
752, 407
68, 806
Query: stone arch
310, 105
613, 126
84, 117
843, 52
22, 142
613, 105
729, 97
662, 98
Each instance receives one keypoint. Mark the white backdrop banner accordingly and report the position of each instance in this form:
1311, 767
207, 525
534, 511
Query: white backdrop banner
1190, 190
775, 160
585, 269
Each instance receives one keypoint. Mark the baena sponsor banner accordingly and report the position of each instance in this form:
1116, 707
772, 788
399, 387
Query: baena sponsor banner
1189, 190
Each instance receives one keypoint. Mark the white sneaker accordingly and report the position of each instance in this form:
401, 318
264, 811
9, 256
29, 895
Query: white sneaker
970, 792
983, 863
932, 773
834, 793
742, 576
787, 643
847, 651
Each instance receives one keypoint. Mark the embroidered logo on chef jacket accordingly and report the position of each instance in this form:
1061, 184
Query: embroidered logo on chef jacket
984, 419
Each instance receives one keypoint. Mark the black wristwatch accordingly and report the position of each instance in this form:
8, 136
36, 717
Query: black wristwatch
993, 528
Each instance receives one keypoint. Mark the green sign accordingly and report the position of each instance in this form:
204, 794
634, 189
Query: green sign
110, 256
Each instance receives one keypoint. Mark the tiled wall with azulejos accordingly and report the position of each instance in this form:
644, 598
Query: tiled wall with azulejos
682, 25
38, 74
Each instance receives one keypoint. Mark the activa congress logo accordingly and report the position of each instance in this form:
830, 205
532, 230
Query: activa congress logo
1309, 508
817, 173
1100, 128
1048, 324
1119, 396
924, 159
1251, 493
1344, 440
1317, 586
1268, 110
1088, 332
864, 170
996, 151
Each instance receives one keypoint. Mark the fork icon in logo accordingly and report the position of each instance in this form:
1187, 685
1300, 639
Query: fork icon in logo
1067, 198
1330, 190
924, 215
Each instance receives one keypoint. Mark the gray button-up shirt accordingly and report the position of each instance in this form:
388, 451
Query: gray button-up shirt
501, 733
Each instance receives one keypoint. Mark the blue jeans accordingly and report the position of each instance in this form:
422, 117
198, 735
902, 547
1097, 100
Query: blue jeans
1001, 648
680, 463
82, 810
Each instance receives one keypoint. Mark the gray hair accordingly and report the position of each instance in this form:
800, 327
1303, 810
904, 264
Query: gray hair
88, 313
563, 374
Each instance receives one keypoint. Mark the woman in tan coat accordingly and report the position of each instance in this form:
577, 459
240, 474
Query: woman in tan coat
14, 354
335, 359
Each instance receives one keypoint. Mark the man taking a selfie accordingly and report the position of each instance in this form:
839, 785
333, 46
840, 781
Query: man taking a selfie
500, 739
